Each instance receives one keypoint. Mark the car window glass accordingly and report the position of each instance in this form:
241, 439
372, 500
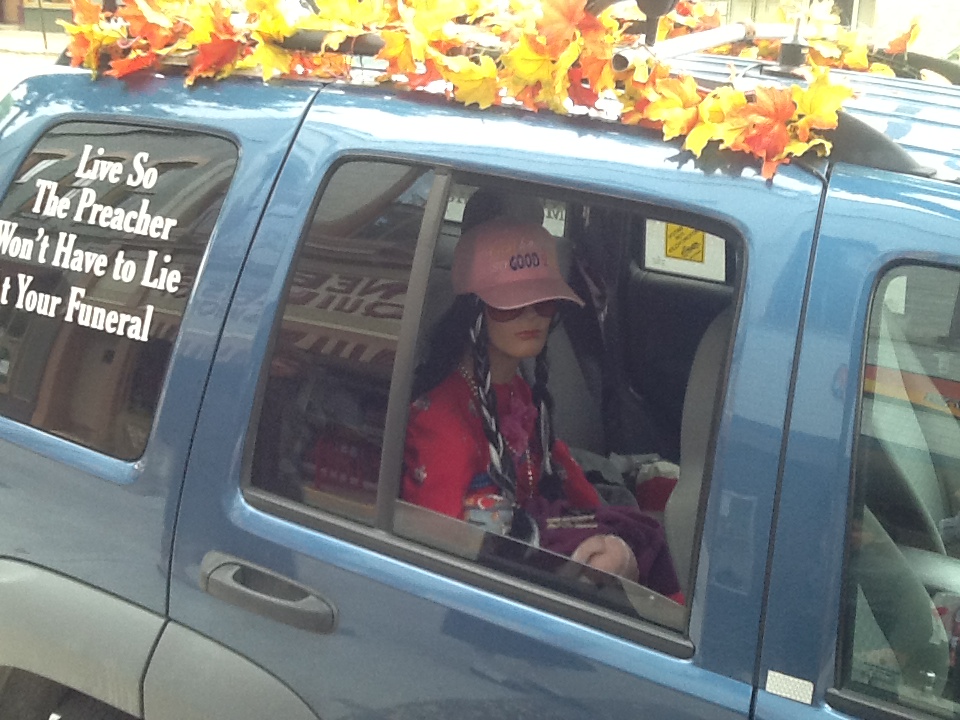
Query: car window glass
102, 233
627, 451
902, 601
320, 432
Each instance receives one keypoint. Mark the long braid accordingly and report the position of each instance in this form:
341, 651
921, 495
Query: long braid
550, 485
501, 464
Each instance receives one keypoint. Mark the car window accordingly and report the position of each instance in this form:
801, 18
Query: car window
320, 433
902, 601
102, 233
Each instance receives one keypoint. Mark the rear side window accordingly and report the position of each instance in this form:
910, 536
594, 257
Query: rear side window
102, 233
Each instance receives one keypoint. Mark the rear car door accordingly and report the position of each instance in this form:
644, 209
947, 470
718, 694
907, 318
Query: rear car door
293, 548
862, 613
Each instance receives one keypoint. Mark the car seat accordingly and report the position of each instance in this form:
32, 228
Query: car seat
699, 403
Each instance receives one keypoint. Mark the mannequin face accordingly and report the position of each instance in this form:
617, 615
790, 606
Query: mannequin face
514, 340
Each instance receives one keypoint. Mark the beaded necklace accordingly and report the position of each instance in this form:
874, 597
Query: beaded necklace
522, 457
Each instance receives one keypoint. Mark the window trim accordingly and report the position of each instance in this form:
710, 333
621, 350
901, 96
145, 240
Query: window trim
401, 380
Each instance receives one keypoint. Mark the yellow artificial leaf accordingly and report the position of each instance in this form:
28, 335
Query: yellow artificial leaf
676, 107
152, 14
798, 148
209, 22
879, 68
396, 51
826, 50
270, 20
271, 60
856, 58
818, 104
718, 113
474, 83
526, 65
554, 95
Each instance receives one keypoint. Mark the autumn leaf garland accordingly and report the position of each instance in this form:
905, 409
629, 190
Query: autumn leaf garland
542, 54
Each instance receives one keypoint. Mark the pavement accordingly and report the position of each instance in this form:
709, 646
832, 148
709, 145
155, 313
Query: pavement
14, 41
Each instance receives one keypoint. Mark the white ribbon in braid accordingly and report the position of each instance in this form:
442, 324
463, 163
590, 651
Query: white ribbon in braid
484, 382
546, 436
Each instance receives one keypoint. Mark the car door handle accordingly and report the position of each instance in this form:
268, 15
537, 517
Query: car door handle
264, 592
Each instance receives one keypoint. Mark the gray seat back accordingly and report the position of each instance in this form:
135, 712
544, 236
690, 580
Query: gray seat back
699, 402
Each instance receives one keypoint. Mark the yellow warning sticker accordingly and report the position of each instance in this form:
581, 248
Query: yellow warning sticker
686, 243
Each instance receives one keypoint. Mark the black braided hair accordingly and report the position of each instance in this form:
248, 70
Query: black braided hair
502, 469
447, 343
550, 485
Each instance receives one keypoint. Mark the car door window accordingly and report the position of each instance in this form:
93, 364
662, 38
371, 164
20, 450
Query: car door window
902, 602
321, 431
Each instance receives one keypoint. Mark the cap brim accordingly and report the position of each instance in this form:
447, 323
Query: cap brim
520, 294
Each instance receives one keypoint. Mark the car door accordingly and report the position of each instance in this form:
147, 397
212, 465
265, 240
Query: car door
863, 594
292, 547
124, 218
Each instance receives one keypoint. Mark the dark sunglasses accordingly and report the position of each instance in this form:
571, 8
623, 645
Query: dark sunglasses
546, 308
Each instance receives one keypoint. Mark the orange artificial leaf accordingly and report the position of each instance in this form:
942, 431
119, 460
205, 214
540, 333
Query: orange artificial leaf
709, 22
528, 97
579, 94
775, 104
560, 21
85, 12
156, 35
215, 58
322, 65
762, 130
431, 74
125, 66
78, 49
899, 45
596, 52
769, 168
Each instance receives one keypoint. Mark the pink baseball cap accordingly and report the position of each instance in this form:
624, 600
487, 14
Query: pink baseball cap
509, 265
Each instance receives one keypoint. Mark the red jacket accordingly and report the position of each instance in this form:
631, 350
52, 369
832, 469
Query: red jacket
446, 448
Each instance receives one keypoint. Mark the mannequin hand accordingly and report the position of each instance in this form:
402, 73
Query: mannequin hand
608, 553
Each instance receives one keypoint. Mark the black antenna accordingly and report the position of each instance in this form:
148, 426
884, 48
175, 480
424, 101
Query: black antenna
791, 51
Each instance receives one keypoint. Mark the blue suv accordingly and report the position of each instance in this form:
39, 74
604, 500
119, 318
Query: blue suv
212, 303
